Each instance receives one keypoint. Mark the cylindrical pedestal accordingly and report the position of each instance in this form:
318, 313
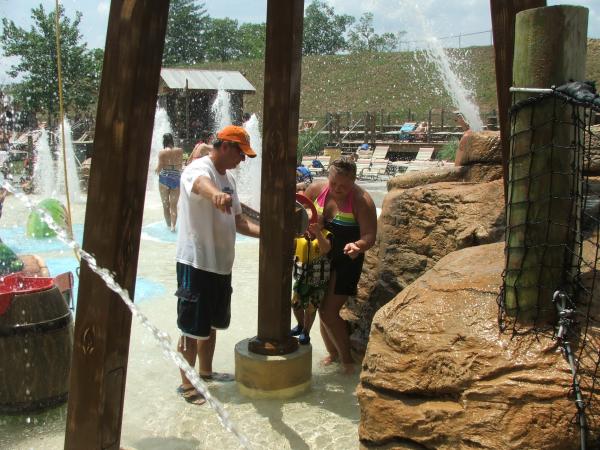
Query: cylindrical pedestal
281, 376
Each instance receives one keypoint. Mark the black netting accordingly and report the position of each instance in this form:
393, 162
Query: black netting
553, 230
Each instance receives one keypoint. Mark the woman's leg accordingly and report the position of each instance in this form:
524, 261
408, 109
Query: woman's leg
336, 327
325, 334
164, 197
173, 199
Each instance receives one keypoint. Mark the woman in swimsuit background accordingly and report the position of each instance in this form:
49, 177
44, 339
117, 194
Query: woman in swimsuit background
170, 164
351, 217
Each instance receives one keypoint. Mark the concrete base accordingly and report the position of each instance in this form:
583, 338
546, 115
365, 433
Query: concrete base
283, 376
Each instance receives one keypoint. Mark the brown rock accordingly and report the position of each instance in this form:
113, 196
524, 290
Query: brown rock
475, 173
479, 147
438, 373
416, 228
594, 164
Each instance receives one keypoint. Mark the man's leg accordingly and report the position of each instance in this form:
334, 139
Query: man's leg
206, 351
188, 349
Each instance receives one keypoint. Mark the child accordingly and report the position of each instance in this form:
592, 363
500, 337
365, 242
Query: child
311, 275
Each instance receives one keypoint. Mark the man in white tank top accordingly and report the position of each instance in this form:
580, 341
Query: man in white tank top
209, 214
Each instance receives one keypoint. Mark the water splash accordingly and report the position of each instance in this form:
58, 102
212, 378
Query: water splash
249, 172
162, 338
72, 169
162, 125
435, 54
44, 175
221, 108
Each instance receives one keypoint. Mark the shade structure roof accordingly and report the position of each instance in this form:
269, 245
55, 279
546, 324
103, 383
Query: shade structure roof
205, 80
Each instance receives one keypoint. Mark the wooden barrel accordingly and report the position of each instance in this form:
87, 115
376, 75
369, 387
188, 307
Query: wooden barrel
36, 343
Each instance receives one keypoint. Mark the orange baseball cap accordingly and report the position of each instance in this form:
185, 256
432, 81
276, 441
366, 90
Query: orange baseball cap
238, 135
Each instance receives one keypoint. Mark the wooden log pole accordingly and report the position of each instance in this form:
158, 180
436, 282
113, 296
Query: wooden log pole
280, 137
113, 221
503, 31
550, 49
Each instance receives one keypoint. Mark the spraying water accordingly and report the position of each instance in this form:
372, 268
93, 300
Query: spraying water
72, 171
44, 174
163, 339
221, 107
249, 171
161, 127
436, 55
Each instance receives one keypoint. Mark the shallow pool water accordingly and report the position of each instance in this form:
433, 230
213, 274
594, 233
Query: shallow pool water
154, 416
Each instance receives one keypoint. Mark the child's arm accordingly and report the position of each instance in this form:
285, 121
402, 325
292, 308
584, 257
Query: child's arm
324, 244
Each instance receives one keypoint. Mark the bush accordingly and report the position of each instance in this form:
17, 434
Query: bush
310, 142
448, 151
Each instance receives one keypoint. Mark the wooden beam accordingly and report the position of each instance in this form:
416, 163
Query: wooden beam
503, 30
280, 137
113, 221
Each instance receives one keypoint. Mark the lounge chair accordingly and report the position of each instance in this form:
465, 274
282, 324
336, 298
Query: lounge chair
422, 160
380, 152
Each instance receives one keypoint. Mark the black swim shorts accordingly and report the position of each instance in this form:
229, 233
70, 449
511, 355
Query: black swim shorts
347, 273
203, 301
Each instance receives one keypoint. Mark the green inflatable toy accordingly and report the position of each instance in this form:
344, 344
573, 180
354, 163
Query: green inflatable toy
9, 262
37, 228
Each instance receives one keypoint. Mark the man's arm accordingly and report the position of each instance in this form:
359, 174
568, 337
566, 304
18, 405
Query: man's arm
204, 187
245, 227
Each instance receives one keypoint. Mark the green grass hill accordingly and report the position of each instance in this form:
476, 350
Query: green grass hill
393, 82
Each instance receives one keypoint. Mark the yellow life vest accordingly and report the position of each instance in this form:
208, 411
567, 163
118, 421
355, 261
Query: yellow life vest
308, 250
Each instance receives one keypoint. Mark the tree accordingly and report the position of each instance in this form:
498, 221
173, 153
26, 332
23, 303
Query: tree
252, 40
37, 63
362, 37
324, 30
223, 40
186, 29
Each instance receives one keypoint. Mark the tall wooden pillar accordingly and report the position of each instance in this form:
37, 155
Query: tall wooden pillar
503, 30
280, 137
113, 221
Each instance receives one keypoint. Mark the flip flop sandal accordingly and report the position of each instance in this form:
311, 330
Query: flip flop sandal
218, 377
190, 395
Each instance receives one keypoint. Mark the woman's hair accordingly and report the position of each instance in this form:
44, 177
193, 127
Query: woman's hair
344, 166
168, 140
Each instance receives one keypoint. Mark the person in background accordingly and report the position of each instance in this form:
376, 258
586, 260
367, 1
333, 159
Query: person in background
201, 149
210, 215
170, 164
303, 178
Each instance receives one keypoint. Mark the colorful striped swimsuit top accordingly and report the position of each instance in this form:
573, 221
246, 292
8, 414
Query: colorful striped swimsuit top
345, 216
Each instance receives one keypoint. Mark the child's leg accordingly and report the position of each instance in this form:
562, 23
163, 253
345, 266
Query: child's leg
299, 315
309, 318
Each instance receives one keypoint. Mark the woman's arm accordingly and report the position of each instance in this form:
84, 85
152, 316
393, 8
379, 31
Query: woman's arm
366, 216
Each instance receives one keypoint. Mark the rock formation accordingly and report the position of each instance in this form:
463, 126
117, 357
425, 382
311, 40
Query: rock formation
438, 373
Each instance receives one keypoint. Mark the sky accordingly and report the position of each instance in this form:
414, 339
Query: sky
443, 17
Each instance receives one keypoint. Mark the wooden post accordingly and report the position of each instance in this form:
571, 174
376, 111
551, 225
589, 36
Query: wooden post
187, 116
280, 137
442, 119
113, 221
429, 126
503, 30
541, 185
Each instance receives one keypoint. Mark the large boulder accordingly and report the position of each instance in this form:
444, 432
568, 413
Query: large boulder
438, 373
416, 228
479, 147
594, 163
476, 173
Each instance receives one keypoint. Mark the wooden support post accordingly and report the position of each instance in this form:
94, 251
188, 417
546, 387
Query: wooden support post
429, 126
187, 116
503, 30
280, 137
541, 184
442, 119
113, 221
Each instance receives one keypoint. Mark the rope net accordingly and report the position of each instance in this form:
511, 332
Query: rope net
552, 236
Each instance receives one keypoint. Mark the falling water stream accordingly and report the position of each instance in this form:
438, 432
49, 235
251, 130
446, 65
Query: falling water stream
162, 338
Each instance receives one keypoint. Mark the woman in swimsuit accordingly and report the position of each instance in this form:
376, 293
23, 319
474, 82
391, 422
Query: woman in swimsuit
170, 163
351, 217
